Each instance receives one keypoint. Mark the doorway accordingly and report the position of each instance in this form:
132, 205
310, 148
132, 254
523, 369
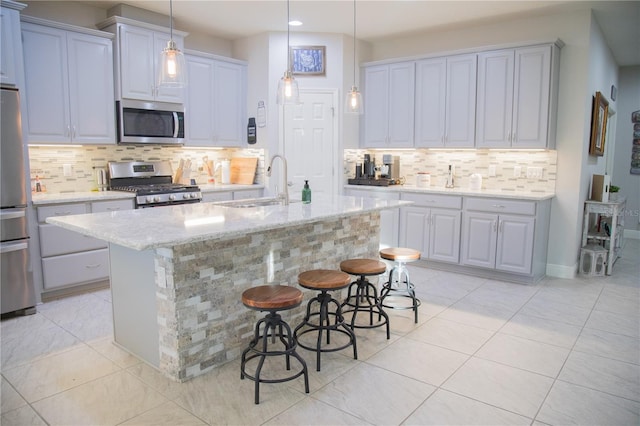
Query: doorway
310, 142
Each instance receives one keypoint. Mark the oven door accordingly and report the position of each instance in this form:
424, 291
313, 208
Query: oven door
150, 122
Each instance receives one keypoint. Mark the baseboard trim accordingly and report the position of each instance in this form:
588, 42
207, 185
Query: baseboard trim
631, 234
562, 271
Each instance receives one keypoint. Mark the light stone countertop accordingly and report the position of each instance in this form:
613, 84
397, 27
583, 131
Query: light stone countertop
42, 198
169, 226
491, 193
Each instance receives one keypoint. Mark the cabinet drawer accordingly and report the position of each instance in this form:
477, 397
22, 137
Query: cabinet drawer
60, 210
372, 194
209, 197
111, 205
55, 240
496, 205
433, 200
78, 268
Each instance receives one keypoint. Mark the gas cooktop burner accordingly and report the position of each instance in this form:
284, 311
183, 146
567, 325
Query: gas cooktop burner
156, 188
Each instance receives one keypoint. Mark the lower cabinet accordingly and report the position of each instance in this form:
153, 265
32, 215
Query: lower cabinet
389, 219
434, 231
68, 258
499, 234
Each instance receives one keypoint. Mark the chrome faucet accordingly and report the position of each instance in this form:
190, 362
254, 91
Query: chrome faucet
285, 194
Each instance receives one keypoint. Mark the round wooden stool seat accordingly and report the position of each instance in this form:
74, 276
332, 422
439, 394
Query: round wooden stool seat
323, 279
400, 254
364, 267
272, 297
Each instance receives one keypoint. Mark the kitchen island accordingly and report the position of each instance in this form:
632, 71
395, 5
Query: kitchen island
177, 273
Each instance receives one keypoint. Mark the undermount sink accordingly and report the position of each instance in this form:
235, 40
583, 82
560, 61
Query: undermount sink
255, 202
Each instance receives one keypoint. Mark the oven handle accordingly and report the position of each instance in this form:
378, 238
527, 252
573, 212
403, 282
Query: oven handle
176, 124
12, 213
13, 246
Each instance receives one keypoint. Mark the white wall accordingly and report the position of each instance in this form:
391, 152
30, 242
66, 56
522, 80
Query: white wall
628, 102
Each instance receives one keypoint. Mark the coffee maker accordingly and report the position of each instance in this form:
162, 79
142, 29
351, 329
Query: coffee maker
390, 168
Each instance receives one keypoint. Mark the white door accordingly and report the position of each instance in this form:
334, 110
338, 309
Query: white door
310, 145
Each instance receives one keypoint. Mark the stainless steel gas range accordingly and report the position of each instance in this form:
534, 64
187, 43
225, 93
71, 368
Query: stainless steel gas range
151, 181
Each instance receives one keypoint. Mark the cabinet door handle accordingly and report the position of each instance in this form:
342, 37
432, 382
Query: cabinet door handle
501, 227
495, 226
62, 213
498, 206
73, 132
113, 209
93, 266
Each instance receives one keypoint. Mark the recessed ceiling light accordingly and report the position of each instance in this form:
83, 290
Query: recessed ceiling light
295, 23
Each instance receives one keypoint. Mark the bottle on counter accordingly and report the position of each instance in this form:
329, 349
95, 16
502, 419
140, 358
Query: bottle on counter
306, 193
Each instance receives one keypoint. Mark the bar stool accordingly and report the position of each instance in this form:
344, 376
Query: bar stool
271, 299
365, 297
391, 288
324, 280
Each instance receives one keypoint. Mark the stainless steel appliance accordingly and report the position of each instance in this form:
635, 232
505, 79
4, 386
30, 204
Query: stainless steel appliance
390, 168
18, 292
366, 172
141, 122
151, 181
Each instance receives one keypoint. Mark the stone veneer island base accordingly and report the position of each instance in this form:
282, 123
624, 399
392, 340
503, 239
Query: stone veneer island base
177, 301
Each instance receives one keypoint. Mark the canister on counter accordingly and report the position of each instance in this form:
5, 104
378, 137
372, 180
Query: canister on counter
423, 179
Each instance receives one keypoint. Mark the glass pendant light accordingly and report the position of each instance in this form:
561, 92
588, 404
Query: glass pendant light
172, 69
288, 92
353, 104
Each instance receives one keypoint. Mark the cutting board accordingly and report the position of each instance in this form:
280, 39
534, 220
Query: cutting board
243, 170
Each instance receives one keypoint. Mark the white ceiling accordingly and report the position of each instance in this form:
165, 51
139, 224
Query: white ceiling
379, 19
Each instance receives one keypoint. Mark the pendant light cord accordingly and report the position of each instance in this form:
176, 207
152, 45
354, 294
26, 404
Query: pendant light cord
171, 19
354, 43
288, 28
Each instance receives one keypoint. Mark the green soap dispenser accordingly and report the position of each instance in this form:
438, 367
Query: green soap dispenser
306, 193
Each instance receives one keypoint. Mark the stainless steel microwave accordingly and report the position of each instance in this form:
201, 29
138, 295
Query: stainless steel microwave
150, 122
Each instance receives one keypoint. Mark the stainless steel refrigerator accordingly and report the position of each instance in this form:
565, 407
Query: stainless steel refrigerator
17, 292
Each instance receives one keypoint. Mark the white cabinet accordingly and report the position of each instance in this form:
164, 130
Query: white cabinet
389, 93
432, 226
68, 258
10, 43
389, 219
69, 86
499, 234
516, 97
215, 102
446, 102
137, 53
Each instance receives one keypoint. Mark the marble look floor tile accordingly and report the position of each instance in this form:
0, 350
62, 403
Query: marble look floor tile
9, 398
523, 353
220, 397
56, 373
312, 412
499, 296
157, 381
542, 330
609, 345
22, 344
107, 348
165, 415
506, 387
619, 304
488, 317
556, 311
21, 417
109, 400
568, 404
452, 335
614, 323
571, 295
402, 321
375, 403
447, 408
604, 374
421, 361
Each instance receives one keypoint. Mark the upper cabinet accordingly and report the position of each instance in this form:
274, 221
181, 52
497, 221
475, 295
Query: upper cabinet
137, 52
69, 84
10, 44
215, 101
516, 98
389, 105
446, 102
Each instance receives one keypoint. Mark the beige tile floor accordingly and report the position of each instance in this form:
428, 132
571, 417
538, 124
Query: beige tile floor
484, 352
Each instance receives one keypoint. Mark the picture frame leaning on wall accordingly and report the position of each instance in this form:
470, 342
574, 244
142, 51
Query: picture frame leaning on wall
599, 115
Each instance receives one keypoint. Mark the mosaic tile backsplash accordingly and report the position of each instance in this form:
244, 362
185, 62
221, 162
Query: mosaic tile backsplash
49, 162
467, 162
